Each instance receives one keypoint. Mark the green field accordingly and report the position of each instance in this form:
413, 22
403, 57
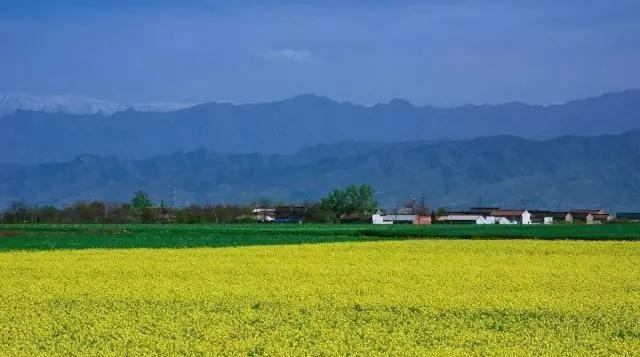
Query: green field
253, 290
44, 237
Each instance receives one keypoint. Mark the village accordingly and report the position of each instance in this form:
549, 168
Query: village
496, 215
474, 215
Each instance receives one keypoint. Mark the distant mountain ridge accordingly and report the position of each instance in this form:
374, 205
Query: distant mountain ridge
289, 125
561, 173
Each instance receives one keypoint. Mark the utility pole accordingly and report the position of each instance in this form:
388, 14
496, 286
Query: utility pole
173, 199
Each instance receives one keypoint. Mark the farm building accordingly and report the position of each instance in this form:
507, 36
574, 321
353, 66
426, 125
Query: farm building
281, 214
400, 219
420, 219
513, 216
496, 220
547, 217
596, 216
380, 219
462, 219
264, 214
493, 215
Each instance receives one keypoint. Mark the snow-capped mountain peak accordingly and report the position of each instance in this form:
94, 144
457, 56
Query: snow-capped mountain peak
74, 104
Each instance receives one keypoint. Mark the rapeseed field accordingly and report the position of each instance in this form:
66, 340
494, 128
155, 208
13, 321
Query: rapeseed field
411, 297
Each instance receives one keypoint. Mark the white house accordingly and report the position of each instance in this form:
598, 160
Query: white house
400, 218
393, 218
264, 214
497, 220
379, 219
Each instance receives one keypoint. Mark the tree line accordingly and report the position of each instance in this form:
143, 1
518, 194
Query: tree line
338, 206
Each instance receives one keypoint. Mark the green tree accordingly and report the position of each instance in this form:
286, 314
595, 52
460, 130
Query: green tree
365, 203
353, 199
141, 200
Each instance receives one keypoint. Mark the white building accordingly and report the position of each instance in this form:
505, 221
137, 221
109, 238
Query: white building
393, 218
497, 220
379, 219
264, 214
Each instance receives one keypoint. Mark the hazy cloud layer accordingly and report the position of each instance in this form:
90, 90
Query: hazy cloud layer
290, 55
437, 52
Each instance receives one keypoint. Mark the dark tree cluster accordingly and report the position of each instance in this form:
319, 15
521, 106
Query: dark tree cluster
335, 208
100, 212
353, 200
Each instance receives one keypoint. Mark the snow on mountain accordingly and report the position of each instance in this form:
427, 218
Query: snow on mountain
57, 104
73, 104
161, 106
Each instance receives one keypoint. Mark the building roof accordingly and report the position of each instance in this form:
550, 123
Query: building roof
585, 214
579, 214
541, 214
399, 217
460, 217
587, 211
507, 213
261, 210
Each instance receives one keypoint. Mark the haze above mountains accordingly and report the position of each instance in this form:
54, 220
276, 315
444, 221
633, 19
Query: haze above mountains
299, 148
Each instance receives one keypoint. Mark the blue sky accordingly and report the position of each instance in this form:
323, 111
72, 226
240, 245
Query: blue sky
429, 52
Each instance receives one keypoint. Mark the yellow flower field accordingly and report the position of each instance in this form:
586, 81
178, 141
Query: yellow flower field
432, 297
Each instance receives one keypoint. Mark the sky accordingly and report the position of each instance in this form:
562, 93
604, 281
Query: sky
430, 52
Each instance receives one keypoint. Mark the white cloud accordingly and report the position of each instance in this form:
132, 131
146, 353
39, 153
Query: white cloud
291, 55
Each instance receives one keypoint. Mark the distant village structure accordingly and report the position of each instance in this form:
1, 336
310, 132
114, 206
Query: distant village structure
378, 218
282, 214
474, 215
496, 215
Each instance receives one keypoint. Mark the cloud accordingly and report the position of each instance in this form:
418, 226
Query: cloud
290, 55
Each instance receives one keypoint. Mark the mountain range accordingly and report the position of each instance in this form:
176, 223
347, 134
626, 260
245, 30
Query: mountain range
560, 173
287, 126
